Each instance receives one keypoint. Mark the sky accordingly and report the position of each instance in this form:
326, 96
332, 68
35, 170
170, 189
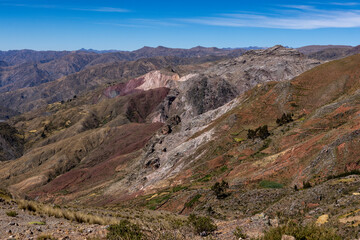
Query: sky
130, 25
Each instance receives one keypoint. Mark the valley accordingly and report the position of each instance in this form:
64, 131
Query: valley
175, 140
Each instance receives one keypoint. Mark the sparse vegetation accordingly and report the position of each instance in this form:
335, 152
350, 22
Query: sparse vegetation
239, 234
57, 212
46, 237
194, 200
220, 189
11, 213
179, 188
155, 202
202, 225
270, 184
344, 174
308, 232
125, 230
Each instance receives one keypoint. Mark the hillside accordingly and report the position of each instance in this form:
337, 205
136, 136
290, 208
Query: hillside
154, 134
138, 104
329, 52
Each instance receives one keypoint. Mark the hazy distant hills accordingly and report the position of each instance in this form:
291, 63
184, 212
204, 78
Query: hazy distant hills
14, 57
329, 52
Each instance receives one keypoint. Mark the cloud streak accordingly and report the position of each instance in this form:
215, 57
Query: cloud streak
101, 9
301, 17
98, 9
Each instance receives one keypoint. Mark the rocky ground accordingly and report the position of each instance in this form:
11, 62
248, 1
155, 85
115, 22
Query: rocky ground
33, 226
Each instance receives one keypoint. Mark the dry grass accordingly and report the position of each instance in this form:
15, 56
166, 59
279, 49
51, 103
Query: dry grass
57, 212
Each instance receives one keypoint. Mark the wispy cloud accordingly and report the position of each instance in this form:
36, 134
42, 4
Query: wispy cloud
301, 17
97, 9
101, 9
143, 23
345, 3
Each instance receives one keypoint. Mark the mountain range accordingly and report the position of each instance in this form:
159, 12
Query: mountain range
157, 128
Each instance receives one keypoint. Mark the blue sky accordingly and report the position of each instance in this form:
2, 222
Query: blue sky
129, 25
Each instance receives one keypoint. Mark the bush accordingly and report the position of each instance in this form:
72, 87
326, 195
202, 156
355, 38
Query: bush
308, 232
202, 225
220, 189
261, 132
11, 213
264, 132
125, 230
306, 185
285, 118
37, 223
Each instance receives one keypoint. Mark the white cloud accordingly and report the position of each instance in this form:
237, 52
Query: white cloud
101, 9
345, 3
98, 9
303, 17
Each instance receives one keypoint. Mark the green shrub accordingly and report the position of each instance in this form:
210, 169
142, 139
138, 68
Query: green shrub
179, 188
220, 189
37, 223
11, 213
154, 203
125, 230
270, 184
195, 199
308, 232
202, 225
206, 178
306, 185
285, 118
261, 132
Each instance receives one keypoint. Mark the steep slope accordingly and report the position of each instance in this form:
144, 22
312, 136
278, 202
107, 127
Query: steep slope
101, 141
11, 142
322, 141
201, 91
96, 120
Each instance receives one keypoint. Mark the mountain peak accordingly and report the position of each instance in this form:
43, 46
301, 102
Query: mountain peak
277, 50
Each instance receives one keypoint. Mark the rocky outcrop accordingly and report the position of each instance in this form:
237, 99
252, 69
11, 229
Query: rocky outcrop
213, 87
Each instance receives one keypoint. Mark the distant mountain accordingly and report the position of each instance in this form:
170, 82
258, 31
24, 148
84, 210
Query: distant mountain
23, 98
97, 51
33, 74
329, 52
15, 57
316, 48
31, 68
